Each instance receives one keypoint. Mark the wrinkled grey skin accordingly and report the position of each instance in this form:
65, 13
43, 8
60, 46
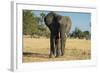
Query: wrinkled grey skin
59, 27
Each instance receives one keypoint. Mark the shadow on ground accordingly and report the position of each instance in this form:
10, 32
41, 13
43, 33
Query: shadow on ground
38, 55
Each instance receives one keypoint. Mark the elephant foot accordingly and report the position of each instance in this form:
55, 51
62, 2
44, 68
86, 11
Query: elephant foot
50, 56
62, 54
57, 55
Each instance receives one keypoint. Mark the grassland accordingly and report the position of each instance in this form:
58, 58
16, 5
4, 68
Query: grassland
37, 50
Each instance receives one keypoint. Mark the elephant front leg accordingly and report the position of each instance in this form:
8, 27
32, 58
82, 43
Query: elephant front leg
57, 47
57, 44
52, 44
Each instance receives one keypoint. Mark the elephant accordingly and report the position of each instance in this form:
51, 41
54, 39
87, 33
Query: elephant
59, 27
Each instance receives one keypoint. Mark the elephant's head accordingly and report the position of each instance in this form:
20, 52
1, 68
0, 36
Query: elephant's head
54, 21
51, 19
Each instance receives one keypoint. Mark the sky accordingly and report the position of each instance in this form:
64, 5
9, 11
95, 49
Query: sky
79, 19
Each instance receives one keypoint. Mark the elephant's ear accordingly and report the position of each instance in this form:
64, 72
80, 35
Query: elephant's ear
68, 25
49, 19
45, 20
65, 23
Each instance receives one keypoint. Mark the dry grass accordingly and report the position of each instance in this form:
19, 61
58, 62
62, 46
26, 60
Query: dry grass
37, 50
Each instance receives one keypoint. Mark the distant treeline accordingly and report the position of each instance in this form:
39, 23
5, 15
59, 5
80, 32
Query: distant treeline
77, 33
35, 27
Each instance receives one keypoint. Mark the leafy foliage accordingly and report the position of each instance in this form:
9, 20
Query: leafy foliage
33, 25
29, 22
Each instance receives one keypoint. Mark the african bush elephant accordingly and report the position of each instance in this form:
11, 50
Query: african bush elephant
59, 27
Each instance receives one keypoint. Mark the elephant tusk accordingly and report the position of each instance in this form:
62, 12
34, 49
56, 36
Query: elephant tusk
59, 35
66, 35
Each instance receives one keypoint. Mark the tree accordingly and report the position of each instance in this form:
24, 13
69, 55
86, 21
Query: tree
29, 22
34, 25
87, 35
42, 15
77, 33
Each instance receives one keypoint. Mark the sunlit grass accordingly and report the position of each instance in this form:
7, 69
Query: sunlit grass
37, 50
